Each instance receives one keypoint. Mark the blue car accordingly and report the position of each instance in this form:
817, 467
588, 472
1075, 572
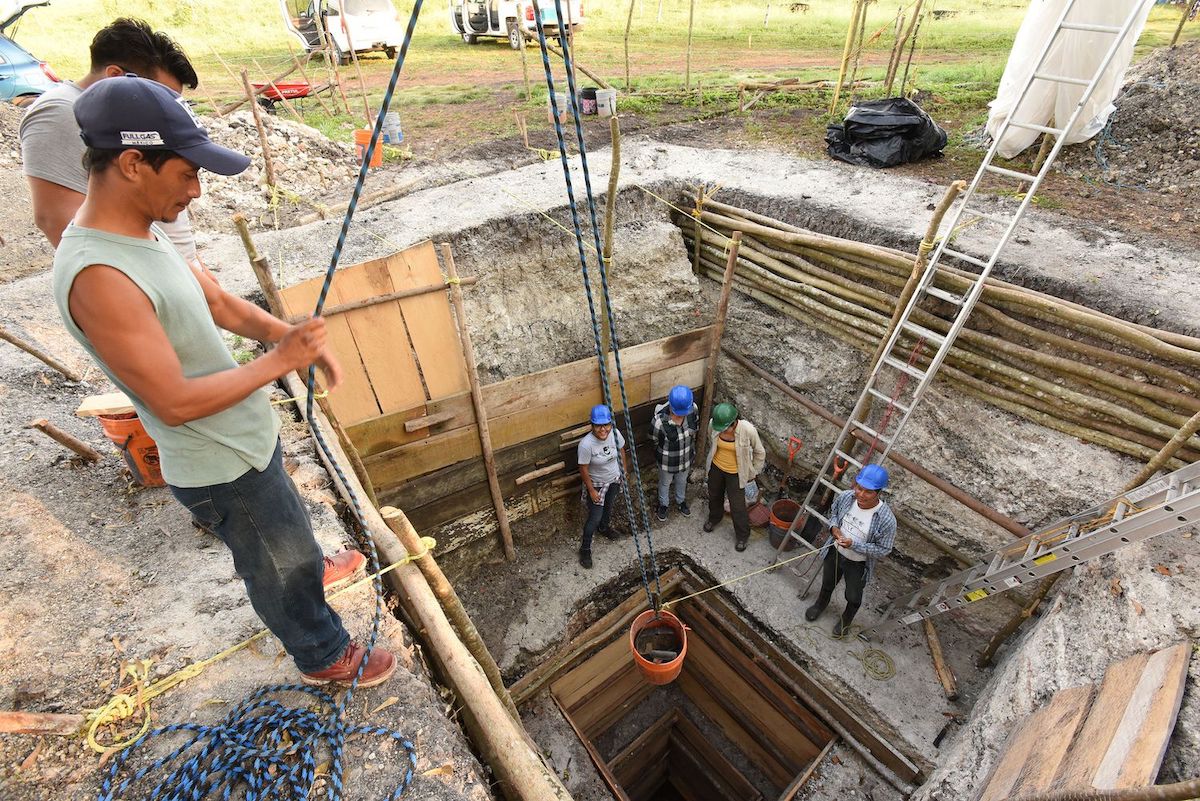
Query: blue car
22, 77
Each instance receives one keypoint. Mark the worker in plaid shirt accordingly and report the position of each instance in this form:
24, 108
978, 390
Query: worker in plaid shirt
673, 429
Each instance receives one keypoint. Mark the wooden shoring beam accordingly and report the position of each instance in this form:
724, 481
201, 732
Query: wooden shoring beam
342, 308
790, 791
601, 766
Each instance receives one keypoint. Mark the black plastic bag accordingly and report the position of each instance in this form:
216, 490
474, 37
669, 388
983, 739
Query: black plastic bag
884, 133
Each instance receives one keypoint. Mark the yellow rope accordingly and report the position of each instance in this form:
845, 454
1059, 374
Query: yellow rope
282, 401
123, 705
727, 582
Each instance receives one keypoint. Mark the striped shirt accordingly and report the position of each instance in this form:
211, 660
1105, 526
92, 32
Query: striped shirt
880, 537
674, 444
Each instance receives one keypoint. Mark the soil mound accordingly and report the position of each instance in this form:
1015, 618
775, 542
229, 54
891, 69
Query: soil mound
1152, 141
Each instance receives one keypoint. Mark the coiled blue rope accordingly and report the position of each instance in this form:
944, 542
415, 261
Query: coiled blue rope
637, 530
263, 748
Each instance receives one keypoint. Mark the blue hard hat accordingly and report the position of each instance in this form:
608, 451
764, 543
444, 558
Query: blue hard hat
872, 477
601, 415
680, 399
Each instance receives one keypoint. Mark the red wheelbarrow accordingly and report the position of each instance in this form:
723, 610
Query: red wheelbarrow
282, 90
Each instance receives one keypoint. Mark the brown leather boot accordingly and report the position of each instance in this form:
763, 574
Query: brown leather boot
379, 669
342, 567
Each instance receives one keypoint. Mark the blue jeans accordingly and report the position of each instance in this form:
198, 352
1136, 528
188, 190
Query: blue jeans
598, 515
668, 480
262, 520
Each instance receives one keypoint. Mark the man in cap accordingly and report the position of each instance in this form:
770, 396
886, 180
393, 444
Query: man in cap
863, 529
673, 429
151, 321
51, 150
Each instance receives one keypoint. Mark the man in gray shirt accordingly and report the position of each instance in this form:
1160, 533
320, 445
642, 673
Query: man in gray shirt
51, 148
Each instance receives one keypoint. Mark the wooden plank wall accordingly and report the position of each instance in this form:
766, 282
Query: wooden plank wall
396, 356
523, 408
1110, 737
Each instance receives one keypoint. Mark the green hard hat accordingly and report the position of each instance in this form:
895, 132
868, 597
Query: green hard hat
723, 416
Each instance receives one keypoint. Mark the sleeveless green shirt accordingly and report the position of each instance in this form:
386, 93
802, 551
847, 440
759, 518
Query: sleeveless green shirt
211, 450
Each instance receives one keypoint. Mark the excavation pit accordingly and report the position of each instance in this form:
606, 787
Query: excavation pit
743, 719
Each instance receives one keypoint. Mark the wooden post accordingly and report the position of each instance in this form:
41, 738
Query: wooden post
944, 673
700, 198
452, 605
362, 84
525, 71
898, 49
262, 271
503, 742
87, 452
859, 44
1187, 11
331, 58
850, 32
610, 207
268, 165
714, 346
687, 75
628, 25
912, 48
481, 421
39, 354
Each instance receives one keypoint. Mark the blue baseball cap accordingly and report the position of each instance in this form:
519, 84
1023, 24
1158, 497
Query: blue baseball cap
132, 112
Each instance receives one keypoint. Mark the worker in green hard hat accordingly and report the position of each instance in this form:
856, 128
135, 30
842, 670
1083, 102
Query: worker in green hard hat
735, 456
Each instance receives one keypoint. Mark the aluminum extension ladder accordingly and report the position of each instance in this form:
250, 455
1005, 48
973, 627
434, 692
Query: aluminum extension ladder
1157, 507
897, 380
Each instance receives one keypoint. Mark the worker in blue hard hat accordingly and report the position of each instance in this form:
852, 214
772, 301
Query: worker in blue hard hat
673, 430
863, 529
735, 456
602, 463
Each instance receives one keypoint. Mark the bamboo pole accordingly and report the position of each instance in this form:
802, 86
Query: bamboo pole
268, 164
714, 345
252, 94
687, 75
304, 74
603, 84
944, 673
851, 29
504, 744
342, 308
898, 52
85, 451
610, 207
451, 604
1187, 11
362, 84
861, 44
40, 355
628, 25
481, 421
525, 74
331, 58
912, 48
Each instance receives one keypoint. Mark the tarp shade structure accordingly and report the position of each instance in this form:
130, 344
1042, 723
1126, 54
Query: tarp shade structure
1074, 54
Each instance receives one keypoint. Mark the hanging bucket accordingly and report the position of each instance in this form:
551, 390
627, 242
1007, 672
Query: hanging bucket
138, 448
659, 644
362, 140
587, 101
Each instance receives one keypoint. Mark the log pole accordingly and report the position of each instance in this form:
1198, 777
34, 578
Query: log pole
85, 451
687, 74
452, 605
268, 164
481, 421
40, 355
1187, 11
944, 673
714, 345
610, 208
504, 744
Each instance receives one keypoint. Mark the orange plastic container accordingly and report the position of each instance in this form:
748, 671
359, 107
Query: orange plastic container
362, 140
138, 447
647, 622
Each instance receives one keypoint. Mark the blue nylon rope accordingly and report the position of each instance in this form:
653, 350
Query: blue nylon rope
654, 597
262, 748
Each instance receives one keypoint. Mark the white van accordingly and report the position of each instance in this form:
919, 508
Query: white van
358, 26
509, 19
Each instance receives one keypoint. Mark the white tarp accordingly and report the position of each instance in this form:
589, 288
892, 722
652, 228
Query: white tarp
1074, 54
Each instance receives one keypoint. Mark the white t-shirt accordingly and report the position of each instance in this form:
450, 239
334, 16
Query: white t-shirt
600, 455
856, 525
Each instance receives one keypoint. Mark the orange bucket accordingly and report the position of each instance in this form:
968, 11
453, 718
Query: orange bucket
362, 140
659, 644
138, 448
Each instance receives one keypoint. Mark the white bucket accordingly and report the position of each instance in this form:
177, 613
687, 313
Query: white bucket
564, 107
392, 134
606, 102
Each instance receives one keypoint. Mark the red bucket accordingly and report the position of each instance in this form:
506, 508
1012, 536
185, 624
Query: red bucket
652, 637
138, 447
